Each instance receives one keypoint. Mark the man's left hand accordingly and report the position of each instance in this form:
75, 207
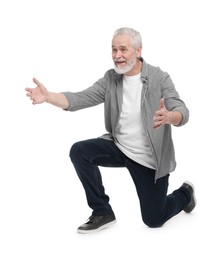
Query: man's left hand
162, 116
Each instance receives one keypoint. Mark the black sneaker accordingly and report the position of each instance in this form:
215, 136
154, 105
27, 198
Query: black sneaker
97, 223
189, 186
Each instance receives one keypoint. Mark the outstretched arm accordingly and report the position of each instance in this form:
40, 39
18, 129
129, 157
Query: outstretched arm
40, 94
163, 116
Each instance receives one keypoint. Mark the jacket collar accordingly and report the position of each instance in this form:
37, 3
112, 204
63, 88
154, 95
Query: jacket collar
144, 72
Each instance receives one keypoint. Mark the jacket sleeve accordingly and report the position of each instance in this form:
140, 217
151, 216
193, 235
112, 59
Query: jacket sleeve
172, 98
89, 97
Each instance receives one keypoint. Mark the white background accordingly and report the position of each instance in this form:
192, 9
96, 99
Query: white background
67, 46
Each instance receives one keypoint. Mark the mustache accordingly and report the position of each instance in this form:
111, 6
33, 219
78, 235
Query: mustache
119, 60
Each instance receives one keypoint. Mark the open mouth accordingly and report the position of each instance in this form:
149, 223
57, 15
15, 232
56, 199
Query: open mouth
120, 62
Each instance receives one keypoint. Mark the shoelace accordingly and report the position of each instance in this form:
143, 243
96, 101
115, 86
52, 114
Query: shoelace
90, 220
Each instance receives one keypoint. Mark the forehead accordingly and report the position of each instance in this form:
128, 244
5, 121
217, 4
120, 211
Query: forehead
122, 40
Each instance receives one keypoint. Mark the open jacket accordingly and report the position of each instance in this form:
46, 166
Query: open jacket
156, 85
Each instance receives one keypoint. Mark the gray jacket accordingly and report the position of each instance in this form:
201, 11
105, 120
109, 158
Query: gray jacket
156, 85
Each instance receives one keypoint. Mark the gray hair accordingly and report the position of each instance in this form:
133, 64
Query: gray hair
135, 35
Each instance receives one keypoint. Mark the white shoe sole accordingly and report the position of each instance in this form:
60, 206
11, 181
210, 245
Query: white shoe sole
98, 229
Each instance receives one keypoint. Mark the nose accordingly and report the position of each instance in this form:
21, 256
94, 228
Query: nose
117, 54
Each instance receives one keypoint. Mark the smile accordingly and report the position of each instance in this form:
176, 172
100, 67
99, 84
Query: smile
120, 62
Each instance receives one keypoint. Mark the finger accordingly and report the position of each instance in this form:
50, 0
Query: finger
162, 105
28, 89
158, 113
158, 117
157, 124
34, 102
36, 81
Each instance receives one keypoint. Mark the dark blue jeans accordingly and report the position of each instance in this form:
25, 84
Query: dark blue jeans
156, 206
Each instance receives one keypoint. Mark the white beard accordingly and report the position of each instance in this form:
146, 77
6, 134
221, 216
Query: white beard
129, 66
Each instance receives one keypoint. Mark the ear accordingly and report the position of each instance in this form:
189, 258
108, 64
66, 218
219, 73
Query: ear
139, 52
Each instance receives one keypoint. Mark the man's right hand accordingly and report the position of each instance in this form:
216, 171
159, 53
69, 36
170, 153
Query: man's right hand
38, 94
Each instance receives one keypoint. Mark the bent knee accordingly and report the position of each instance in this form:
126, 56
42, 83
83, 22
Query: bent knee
75, 150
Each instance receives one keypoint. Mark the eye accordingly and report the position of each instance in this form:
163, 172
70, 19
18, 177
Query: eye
123, 49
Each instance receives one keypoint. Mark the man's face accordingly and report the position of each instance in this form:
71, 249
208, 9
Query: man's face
124, 54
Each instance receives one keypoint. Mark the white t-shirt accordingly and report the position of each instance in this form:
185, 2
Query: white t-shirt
130, 135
